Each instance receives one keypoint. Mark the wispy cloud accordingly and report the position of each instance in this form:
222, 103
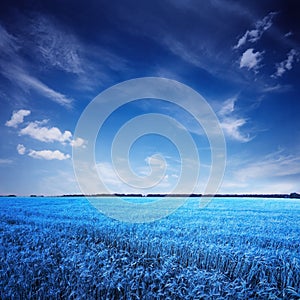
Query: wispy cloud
276, 172
272, 165
4, 161
276, 88
17, 118
253, 35
287, 64
112, 182
56, 47
231, 123
288, 34
251, 59
146, 178
180, 49
20, 76
59, 48
48, 154
227, 107
13, 67
232, 128
8, 43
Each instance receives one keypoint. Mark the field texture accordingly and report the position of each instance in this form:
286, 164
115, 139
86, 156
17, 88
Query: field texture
62, 248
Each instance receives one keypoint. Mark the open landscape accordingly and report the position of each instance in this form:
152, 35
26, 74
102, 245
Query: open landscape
235, 248
149, 150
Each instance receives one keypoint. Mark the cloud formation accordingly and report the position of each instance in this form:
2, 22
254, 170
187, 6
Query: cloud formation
48, 154
125, 181
273, 165
56, 48
17, 118
78, 142
38, 131
13, 66
45, 134
232, 124
21, 149
8, 42
287, 64
255, 34
250, 59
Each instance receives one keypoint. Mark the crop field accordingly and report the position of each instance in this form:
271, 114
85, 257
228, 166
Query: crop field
63, 248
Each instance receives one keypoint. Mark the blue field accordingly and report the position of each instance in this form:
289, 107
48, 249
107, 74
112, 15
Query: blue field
235, 248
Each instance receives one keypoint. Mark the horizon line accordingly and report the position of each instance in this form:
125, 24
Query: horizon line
233, 195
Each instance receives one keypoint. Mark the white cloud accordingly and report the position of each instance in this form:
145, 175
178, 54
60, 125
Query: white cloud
21, 149
45, 134
254, 35
42, 88
19, 76
250, 59
276, 172
17, 118
272, 165
228, 107
143, 181
156, 161
286, 64
108, 175
232, 127
230, 123
276, 88
78, 142
48, 154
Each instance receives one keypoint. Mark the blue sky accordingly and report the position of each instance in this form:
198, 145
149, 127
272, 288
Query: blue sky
241, 56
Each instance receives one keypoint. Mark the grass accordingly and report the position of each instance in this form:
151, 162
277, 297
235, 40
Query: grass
234, 249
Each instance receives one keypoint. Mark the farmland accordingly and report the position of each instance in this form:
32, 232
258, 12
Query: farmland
233, 249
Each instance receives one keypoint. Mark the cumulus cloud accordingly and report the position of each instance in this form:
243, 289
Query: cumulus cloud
17, 118
48, 154
250, 59
286, 64
255, 34
78, 142
21, 149
45, 134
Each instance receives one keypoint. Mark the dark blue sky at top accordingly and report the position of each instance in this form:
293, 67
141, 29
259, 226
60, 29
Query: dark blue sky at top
241, 56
